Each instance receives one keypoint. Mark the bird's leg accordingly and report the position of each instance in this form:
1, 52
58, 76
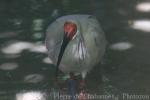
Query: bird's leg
72, 86
82, 82
83, 93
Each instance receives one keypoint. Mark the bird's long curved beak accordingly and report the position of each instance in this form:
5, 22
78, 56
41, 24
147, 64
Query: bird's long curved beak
62, 49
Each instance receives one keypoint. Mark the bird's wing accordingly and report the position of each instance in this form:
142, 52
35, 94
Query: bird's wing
53, 50
54, 40
81, 49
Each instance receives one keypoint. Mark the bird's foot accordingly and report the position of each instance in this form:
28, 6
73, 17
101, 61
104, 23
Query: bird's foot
83, 95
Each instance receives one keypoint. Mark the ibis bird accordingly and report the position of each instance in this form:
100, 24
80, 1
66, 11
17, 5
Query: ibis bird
75, 43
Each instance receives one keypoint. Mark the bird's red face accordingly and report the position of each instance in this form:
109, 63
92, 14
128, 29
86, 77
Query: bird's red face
70, 29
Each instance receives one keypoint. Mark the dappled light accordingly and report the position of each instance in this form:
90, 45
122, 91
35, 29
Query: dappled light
38, 47
121, 46
143, 7
37, 35
30, 95
55, 13
18, 47
17, 21
9, 66
37, 24
47, 60
142, 25
33, 78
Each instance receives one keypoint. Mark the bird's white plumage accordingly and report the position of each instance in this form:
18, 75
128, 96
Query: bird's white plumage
84, 51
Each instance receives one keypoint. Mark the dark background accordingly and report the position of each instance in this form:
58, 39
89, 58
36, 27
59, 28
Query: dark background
126, 65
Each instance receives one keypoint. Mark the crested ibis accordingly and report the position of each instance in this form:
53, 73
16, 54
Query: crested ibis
75, 43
